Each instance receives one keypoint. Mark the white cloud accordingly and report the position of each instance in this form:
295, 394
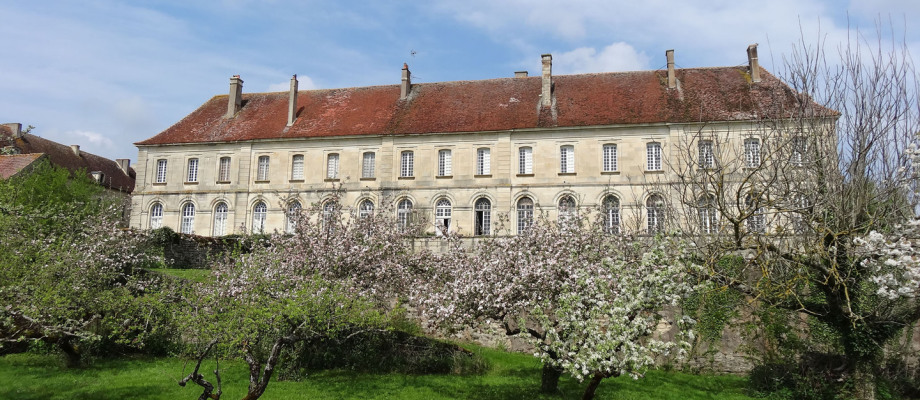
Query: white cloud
303, 83
615, 57
93, 138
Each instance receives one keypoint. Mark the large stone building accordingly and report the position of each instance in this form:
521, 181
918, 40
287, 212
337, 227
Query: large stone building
456, 154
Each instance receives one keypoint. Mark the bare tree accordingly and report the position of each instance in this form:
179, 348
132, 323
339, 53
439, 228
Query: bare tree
826, 163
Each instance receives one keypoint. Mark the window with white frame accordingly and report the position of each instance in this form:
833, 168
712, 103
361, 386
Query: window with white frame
366, 209
483, 161
799, 148
220, 219
187, 224
752, 153
332, 166
567, 159
483, 217
156, 215
192, 175
293, 213
567, 210
330, 213
259, 214
223, 170
706, 157
709, 220
610, 157
297, 167
262, 171
524, 214
403, 214
444, 163
367, 164
525, 160
654, 212
406, 164
161, 172
442, 212
653, 156
611, 209
756, 221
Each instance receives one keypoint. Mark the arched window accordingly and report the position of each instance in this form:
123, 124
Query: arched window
259, 213
156, 215
567, 210
654, 209
611, 211
365, 209
483, 211
330, 209
293, 212
220, 219
756, 222
442, 211
524, 214
403, 212
709, 220
188, 219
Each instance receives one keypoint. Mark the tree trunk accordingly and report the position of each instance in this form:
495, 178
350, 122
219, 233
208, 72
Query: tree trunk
864, 381
592, 387
549, 382
71, 352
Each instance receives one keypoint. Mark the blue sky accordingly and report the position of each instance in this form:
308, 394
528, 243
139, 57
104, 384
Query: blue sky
105, 74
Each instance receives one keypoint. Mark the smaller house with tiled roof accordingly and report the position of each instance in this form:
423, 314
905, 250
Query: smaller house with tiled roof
456, 155
21, 149
15, 164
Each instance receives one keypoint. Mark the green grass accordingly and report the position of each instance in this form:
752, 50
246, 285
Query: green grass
194, 275
512, 376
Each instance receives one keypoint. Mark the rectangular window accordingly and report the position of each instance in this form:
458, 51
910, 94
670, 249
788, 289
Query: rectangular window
297, 167
752, 153
653, 155
610, 157
799, 147
161, 171
367, 165
706, 157
262, 172
483, 161
332, 166
406, 164
567, 159
525, 160
223, 171
444, 163
192, 170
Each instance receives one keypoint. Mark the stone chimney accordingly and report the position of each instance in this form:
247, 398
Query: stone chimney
16, 128
76, 149
124, 164
520, 74
672, 78
236, 96
753, 64
292, 101
406, 85
546, 95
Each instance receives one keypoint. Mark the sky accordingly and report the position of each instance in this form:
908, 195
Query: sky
105, 74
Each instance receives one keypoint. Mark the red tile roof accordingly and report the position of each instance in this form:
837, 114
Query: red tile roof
704, 94
63, 156
11, 164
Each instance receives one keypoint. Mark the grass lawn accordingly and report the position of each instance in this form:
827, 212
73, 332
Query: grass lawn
512, 376
194, 275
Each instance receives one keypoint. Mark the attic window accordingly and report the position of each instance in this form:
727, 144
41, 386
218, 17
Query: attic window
98, 176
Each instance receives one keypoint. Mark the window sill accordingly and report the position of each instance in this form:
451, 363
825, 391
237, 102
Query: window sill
525, 175
223, 182
566, 174
295, 181
444, 177
262, 181
191, 183
331, 180
406, 178
369, 179
610, 172
483, 176
655, 172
